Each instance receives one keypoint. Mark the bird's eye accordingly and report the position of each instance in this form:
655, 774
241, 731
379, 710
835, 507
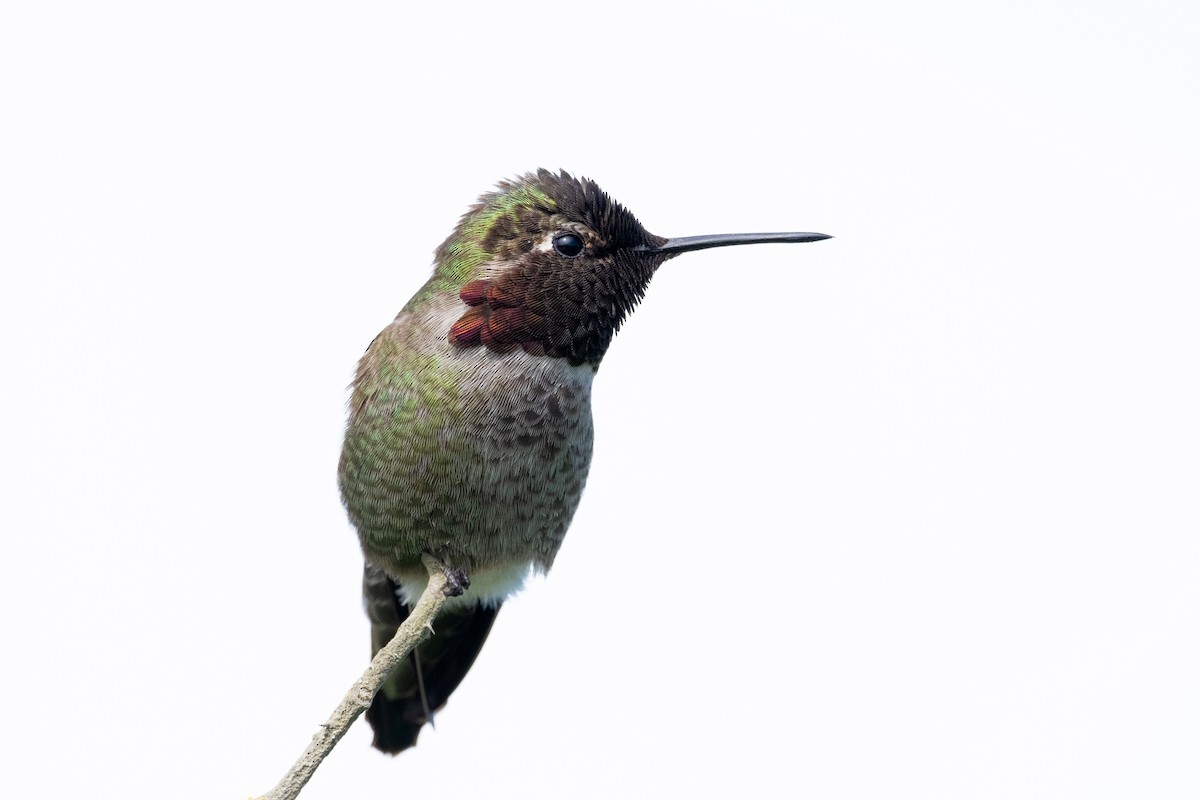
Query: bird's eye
568, 245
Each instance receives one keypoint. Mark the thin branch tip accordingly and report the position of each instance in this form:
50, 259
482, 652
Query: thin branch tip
414, 630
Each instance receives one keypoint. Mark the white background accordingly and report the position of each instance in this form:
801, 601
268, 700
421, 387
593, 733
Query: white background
909, 513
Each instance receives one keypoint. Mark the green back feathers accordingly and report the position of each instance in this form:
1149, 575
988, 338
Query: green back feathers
461, 258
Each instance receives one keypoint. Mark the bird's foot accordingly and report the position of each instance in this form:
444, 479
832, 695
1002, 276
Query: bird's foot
457, 581
457, 578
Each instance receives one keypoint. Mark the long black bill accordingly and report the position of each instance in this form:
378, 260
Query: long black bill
683, 244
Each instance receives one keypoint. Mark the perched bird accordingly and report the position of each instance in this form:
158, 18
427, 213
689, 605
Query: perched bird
470, 423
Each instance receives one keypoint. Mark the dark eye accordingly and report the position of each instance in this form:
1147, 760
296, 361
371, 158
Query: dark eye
568, 245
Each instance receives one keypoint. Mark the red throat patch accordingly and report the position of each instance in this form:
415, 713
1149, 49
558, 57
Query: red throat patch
498, 320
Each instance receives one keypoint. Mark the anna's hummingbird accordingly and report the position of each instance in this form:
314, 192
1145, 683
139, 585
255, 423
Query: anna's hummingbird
470, 423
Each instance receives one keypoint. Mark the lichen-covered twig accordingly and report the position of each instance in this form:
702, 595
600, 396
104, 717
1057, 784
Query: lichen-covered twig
415, 630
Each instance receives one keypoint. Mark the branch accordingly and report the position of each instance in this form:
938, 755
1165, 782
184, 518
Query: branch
416, 629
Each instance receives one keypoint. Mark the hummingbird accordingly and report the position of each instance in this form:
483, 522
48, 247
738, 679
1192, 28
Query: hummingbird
469, 432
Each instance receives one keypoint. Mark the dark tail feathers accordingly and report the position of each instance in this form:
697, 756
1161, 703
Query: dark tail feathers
398, 713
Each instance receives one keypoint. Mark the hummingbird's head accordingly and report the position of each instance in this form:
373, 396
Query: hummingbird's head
551, 264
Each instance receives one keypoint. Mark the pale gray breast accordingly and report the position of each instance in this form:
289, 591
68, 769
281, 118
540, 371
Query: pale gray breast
486, 477
533, 429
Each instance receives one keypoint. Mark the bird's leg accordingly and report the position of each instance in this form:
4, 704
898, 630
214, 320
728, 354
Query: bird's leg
457, 581
457, 578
